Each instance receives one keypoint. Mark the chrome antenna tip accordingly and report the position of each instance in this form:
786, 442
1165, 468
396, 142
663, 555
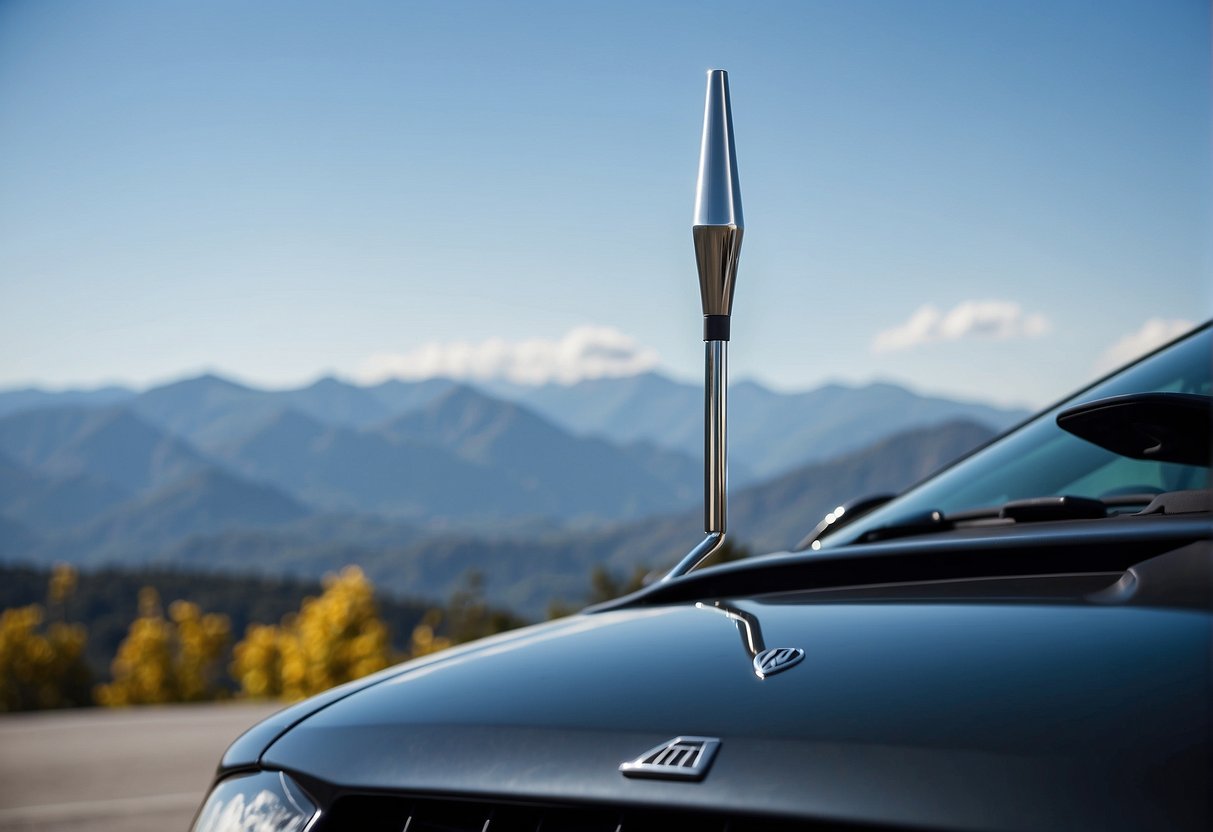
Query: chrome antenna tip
718, 192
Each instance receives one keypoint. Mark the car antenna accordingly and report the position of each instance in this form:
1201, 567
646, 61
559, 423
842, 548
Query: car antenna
717, 230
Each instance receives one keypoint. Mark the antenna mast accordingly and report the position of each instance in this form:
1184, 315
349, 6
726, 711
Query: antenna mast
717, 230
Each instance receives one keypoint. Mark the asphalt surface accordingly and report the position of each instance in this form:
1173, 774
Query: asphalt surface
124, 770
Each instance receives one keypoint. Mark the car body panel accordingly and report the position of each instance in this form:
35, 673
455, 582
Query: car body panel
1022, 711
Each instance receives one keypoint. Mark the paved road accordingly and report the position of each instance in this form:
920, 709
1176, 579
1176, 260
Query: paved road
128, 770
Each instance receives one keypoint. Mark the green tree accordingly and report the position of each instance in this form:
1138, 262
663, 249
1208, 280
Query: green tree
606, 585
469, 616
466, 617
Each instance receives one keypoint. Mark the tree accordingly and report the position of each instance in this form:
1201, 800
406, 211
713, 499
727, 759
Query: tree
424, 641
41, 667
469, 616
42, 662
334, 638
606, 585
257, 662
168, 660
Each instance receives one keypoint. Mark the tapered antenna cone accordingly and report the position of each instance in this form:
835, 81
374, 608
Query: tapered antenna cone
718, 224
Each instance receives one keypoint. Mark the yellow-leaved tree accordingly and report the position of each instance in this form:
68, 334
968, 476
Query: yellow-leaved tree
332, 639
425, 640
42, 661
174, 659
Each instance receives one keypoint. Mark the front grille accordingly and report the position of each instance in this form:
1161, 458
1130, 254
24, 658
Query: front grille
365, 813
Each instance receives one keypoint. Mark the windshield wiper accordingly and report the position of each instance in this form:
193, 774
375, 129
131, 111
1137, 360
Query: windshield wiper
1031, 510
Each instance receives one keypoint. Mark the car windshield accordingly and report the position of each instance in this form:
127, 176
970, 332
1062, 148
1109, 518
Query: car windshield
1040, 459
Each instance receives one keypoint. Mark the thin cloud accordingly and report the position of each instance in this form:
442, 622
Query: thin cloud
585, 352
1153, 333
988, 319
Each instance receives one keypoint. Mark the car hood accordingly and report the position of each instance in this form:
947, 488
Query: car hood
1019, 712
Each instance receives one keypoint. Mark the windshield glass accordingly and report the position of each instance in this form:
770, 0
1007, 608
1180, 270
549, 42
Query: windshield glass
1040, 459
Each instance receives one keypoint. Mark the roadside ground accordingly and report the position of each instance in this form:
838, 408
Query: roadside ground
119, 770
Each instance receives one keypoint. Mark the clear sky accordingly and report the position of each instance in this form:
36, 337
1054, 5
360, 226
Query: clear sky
990, 199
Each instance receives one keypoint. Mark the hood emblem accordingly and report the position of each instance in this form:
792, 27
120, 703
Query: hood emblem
776, 660
682, 758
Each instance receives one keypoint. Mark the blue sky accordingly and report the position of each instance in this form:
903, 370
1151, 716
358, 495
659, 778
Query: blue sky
975, 198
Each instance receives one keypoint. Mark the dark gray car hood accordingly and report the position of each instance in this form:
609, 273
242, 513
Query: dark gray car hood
1002, 713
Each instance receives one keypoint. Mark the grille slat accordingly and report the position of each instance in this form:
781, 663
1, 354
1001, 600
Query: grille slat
379, 813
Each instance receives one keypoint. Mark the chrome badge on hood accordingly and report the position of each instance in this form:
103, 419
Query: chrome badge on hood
777, 660
682, 758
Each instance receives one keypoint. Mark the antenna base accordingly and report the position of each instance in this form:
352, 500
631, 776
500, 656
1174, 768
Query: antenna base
696, 556
716, 327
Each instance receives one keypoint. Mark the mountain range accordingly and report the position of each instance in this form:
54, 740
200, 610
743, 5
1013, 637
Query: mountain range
216, 474
527, 571
770, 431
